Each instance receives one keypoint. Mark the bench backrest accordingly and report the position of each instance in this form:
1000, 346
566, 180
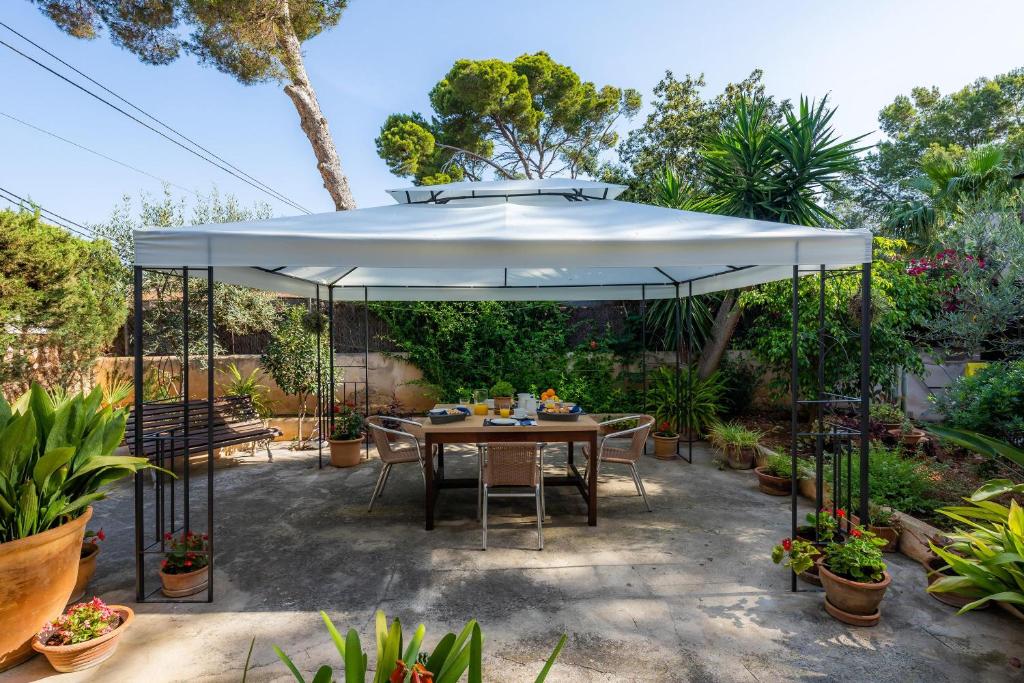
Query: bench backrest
233, 416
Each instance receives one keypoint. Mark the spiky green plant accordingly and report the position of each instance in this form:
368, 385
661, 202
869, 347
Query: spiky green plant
249, 385
446, 663
697, 413
727, 435
56, 459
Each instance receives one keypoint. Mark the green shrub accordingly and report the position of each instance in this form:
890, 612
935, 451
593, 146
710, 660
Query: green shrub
779, 466
501, 389
991, 401
894, 480
699, 413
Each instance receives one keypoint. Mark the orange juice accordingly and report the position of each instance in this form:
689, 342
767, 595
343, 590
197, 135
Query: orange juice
480, 409
504, 412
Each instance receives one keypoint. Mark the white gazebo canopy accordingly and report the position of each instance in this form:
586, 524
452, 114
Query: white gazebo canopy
555, 239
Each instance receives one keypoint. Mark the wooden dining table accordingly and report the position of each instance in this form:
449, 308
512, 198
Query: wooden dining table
473, 431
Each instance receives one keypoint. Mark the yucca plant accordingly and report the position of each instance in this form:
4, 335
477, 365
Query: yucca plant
398, 663
700, 411
987, 552
249, 385
56, 459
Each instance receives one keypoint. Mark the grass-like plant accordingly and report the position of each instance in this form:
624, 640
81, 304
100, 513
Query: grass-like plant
778, 466
237, 384
56, 460
698, 413
732, 435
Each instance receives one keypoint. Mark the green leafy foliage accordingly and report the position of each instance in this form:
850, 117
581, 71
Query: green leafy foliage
857, 558
531, 117
55, 461
61, 302
186, 552
81, 622
452, 657
348, 424
237, 384
990, 401
701, 411
502, 388
797, 554
291, 358
726, 435
979, 443
894, 480
779, 466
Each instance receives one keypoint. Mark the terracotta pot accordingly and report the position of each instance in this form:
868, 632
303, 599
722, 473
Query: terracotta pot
68, 658
808, 488
911, 438
953, 599
502, 402
1011, 609
889, 534
772, 485
852, 602
346, 452
86, 568
180, 585
37, 575
665, 447
740, 458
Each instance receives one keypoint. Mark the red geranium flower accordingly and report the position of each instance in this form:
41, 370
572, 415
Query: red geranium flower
168, 536
856, 533
840, 513
787, 544
188, 563
163, 563
100, 535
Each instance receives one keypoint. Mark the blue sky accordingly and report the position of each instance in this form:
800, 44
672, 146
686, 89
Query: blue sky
385, 56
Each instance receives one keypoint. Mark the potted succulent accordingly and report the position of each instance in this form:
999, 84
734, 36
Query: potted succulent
886, 414
346, 437
55, 461
502, 393
666, 442
737, 443
85, 635
185, 569
854, 577
87, 562
776, 477
907, 433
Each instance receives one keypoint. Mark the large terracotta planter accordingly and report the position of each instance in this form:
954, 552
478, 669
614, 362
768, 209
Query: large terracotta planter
37, 575
951, 598
772, 485
68, 658
808, 488
86, 569
891, 536
665, 447
852, 602
911, 438
740, 458
347, 452
181, 585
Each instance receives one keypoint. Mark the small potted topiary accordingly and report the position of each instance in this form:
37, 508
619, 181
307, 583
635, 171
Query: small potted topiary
346, 437
87, 563
185, 569
502, 393
666, 442
776, 477
85, 635
907, 433
886, 414
854, 577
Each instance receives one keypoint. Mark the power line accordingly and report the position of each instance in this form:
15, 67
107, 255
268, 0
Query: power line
93, 151
63, 222
224, 166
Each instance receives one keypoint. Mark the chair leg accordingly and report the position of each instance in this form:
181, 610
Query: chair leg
543, 500
387, 475
479, 480
483, 518
540, 518
379, 487
640, 486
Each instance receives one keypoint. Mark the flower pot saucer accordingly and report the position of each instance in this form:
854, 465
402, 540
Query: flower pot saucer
853, 619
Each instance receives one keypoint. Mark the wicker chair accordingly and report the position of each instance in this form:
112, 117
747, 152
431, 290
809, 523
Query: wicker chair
402, 447
511, 465
630, 455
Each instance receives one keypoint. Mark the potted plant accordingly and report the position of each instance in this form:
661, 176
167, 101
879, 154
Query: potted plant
806, 478
55, 462
666, 442
185, 568
854, 577
799, 555
737, 443
667, 393
821, 529
885, 524
85, 635
886, 414
907, 433
87, 562
502, 393
346, 437
955, 596
776, 477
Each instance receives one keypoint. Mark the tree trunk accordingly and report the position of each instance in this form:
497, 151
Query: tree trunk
726, 319
312, 120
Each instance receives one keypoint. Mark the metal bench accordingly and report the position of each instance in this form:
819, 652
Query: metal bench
235, 421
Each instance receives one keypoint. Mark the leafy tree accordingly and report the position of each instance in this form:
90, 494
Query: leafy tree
290, 358
531, 117
61, 302
253, 40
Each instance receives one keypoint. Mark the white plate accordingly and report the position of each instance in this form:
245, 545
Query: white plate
504, 421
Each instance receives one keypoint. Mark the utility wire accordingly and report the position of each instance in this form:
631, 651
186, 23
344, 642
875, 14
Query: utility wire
224, 166
93, 151
50, 215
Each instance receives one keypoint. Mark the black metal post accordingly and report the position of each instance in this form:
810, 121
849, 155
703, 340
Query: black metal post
679, 389
366, 365
185, 357
643, 346
140, 564
689, 367
319, 387
819, 413
865, 388
330, 356
794, 391
210, 328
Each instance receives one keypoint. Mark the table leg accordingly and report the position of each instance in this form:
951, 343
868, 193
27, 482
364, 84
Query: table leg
592, 482
440, 461
428, 475
568, 457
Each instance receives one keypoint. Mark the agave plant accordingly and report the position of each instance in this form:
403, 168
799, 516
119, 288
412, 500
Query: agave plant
56, 459
987, 552
700, 411
446, 663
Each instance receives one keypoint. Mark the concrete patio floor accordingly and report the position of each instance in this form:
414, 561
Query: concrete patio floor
686, 593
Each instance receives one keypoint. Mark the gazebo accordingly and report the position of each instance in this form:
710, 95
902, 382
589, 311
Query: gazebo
518, 240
